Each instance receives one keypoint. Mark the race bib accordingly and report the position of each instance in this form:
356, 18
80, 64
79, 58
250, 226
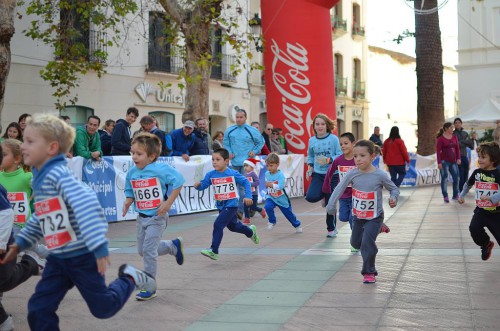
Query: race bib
252, 188
275, 193
225, 188
343, 170
20, 205
485, 189
147, 193
364, 204
54, 222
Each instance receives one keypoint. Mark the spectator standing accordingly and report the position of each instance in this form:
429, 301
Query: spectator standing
267, 135
395, 156
463, 142
105, 135
264, 150
276, 146
13, 131
242, 142
148, 124
182, 140
22, 120
448, 157
87, 140
121, 137
375, 137
218, 140
202, 142
282, 140
496, 133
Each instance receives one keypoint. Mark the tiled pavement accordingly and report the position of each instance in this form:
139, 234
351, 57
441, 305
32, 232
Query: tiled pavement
431, 277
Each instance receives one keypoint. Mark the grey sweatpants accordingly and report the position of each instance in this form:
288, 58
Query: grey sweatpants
149, 243
363, 236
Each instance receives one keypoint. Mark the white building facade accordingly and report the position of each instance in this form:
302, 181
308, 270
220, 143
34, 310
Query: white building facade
133, 74
479, 52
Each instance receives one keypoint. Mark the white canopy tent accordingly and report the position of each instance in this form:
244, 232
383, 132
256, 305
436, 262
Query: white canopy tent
481, 116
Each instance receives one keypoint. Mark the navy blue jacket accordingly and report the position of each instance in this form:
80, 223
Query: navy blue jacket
105, 142
200, 143
181, 144
120, 140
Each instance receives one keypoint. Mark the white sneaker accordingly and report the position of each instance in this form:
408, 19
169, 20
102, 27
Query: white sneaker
39, 260
270, 225
142, 280
7, 325
298, 229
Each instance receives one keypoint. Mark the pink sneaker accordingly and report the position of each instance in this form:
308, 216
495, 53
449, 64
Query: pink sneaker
263, 213
384, 228
369, 279
246, 221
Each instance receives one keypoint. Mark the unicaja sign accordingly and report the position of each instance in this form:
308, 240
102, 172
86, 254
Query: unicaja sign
299, 62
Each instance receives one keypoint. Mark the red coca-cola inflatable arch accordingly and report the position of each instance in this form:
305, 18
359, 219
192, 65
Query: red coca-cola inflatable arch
298, 59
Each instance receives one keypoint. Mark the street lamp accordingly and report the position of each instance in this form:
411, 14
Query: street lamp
256, 26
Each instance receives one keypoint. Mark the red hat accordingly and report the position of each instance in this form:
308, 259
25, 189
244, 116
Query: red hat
251, 162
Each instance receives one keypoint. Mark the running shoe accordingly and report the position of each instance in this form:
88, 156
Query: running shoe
210, 254
145, 295
246, 220
179, 256
270, 226
446, 200
142, 279
332, 234
369, 279
255, 236
486, 251
298, 229
263, 213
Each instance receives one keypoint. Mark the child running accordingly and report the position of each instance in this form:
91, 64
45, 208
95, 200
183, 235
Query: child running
12, 274
367, 182
276, 195
147, 184
225, 183
340, 166
69, 216
249, 166
486, 180
16, 178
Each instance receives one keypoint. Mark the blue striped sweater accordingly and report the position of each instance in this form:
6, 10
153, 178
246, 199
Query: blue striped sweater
86, 217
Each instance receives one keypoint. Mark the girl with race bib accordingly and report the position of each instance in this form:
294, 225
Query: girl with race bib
16, 178
339, 168
276, 195
486, 181
367, 182
146, 185
225, 182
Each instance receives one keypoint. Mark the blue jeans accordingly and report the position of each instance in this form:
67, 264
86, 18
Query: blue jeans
227, 218
254, 206
60, 275
315, 194
398, 173
345, 211
453, 168
290, 216
463, 171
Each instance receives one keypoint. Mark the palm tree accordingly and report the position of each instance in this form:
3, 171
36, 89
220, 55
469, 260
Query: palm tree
428, 51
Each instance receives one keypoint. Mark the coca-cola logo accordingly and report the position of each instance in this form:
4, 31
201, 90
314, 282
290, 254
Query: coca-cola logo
289, 73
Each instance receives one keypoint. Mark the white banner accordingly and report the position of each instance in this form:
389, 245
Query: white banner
107, 179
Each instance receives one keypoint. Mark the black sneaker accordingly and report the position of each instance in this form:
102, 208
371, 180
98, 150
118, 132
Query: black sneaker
486, 251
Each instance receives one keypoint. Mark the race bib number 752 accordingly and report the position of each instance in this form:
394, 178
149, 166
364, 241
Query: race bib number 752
364, 204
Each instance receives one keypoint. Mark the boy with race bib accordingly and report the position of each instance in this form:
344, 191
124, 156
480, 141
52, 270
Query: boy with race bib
225, 184
70, 218
276, 195
367, 182
146, 184
486, 181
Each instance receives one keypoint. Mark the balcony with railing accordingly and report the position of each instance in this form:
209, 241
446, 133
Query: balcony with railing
98, 45
358, 31
358, 89
89, 44
340, 86
339, 26
165, 59
222, 67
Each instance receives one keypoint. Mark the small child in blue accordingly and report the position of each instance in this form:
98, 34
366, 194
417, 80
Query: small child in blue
78, 245
276, 195
147, 184
225, 183
249, 166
